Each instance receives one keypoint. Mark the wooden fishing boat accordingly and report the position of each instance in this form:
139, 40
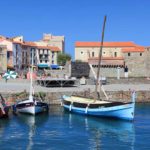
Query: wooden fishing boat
100, 107
93, 107
31, 105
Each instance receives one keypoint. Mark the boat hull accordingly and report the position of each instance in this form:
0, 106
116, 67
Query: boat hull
125, 112
31, 108
98, 108
5, 113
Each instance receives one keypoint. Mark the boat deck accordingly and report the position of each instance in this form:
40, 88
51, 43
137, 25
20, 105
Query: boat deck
85, 100
91, 103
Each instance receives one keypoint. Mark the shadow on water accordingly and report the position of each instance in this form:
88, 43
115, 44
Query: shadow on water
3, 124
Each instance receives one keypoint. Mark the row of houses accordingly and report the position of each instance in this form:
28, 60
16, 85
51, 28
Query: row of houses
15, 53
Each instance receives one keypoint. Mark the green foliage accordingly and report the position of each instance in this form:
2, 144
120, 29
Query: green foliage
63, 58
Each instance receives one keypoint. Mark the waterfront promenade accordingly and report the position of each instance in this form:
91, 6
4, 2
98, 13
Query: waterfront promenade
19, 85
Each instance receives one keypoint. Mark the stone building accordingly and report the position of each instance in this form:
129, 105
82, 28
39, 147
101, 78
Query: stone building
54, 41
114, 55
147, 59
4, 41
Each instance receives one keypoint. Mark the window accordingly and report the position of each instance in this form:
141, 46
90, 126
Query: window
92, 54
129, 54
81, 52
52, 61
8, 54
45, 61
140, 54
1, 50
53, 54
115, 54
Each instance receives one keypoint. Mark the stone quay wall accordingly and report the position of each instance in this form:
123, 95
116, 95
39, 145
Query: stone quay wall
54, 98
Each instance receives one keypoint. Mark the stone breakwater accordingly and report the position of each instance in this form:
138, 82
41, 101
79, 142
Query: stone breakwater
55, 97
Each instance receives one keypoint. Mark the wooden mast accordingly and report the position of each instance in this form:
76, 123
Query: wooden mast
100, 58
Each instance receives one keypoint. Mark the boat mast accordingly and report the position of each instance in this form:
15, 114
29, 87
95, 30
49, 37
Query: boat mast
31, 80
100, 58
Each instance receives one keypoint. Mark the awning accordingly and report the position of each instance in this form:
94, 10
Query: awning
43, 65
54, 66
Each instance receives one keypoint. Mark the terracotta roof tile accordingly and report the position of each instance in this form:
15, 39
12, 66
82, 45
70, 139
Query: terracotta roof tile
32, 44
105, 44
52, 48
115, 61
17, 42
133, 49
107, 58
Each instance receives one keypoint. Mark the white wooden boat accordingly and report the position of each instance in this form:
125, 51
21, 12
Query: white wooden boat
31, 105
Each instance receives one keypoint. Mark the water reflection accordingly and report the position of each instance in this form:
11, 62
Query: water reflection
103, 131
62, 130
3, 124
32, 122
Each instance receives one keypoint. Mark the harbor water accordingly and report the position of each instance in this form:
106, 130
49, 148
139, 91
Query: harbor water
60, 130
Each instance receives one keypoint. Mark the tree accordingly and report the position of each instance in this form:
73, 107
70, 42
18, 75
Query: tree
63, 58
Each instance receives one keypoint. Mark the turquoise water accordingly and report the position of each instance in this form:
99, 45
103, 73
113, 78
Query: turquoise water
60, 130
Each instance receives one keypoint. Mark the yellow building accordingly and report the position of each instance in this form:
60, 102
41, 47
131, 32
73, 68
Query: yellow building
113, 53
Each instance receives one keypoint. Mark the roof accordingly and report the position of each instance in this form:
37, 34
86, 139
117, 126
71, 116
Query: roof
32, 44
133, 49
105, 44
106, 58
107, 61
52, 48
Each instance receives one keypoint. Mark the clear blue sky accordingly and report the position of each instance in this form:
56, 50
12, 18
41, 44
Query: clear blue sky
77, 20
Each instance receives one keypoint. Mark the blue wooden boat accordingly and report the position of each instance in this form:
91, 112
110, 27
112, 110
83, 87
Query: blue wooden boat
99, 108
